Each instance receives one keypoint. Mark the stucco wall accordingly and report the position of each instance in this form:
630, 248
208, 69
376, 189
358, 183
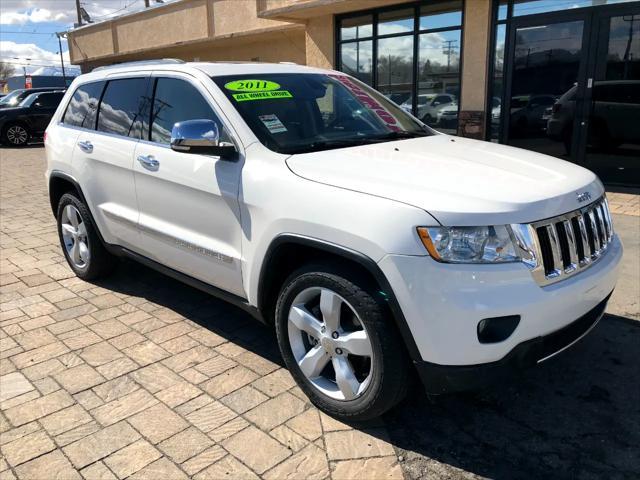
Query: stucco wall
164, 27
319, 42
92, 43
239, 16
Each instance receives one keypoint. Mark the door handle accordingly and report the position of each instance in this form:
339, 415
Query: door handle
149, 162
86, 146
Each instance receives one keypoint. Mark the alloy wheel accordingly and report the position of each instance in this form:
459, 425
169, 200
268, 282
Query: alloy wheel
330, 343
74, 236
17, 135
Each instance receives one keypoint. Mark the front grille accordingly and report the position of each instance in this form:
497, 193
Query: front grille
571, 242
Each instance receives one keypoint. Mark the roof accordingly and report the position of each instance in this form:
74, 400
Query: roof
211, 69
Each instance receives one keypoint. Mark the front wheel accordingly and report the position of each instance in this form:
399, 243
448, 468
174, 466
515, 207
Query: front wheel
340, 344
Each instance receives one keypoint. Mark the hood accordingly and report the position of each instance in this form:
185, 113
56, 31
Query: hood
461, 182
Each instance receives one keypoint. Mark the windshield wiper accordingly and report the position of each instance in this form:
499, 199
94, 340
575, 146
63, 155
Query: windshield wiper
400, 134
328, 144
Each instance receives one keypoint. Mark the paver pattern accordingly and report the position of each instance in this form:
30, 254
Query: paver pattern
141, 377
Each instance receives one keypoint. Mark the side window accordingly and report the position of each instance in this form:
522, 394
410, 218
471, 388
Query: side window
49, 100
122, 106
83, 107
175, 101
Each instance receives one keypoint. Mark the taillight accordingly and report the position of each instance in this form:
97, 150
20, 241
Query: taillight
45, 137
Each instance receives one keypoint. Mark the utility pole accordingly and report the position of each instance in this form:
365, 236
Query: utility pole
448, 51
64, 76
146, 3
78, 12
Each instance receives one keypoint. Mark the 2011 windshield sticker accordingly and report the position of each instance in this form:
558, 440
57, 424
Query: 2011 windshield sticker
243, 97
252, 85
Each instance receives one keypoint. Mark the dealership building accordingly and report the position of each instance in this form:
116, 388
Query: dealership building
561, 77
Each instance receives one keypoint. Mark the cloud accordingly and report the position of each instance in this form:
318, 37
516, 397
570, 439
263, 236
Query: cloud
36, 15
18, 53
22, 12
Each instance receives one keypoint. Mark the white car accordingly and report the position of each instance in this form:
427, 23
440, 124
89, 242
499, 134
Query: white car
374, 245
430, 105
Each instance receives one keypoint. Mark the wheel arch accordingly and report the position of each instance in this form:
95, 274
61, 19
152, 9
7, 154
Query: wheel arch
288, 252
59, 184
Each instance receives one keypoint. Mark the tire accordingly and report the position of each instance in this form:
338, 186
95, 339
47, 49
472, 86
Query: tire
428, 119
16, 135
381, 380
83, 249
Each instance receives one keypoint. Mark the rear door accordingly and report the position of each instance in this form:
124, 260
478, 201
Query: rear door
189, 211
104, 158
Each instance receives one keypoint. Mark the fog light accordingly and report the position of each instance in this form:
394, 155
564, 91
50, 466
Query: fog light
497, 329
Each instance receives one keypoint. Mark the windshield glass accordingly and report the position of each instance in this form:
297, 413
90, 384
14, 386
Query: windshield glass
303, 112
11, 98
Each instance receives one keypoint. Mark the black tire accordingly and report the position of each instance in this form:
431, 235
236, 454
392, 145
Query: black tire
428, 119
100, 262
14, 140
390, 366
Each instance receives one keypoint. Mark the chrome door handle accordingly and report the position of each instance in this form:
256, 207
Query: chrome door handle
149, 162
86, 146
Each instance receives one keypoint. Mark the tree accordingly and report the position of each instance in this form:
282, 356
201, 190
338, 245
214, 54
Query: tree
6, 70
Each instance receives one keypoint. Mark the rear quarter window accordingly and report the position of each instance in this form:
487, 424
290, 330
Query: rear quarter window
83, 107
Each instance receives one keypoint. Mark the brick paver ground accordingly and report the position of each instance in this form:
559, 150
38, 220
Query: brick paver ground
142, 377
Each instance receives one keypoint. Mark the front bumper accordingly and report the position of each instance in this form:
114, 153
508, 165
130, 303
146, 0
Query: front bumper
443, 303
439, 379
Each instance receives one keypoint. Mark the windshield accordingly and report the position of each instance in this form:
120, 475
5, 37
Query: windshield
302, 112
11, 98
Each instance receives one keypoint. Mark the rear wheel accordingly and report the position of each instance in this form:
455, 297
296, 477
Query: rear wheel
16, 135
340, 344
81, 245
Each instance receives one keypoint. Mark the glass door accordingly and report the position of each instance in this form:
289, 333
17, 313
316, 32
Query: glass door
547, 64
612, 103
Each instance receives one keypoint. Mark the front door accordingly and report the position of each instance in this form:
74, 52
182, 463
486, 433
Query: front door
189, 211
573, 89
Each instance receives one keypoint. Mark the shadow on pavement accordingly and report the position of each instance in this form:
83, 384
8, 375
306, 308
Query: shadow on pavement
575, 416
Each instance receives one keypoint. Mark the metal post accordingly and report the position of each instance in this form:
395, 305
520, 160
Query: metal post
64, 75
78, 12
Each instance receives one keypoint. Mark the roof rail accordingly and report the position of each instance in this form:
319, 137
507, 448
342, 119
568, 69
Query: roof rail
160, 61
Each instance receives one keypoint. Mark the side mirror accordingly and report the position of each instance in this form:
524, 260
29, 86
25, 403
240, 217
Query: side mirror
201, 136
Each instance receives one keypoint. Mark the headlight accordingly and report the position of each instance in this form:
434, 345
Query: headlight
469, 244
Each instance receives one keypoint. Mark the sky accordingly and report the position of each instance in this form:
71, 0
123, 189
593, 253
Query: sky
27, 28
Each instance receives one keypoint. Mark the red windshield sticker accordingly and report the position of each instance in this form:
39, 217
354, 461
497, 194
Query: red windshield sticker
369, 101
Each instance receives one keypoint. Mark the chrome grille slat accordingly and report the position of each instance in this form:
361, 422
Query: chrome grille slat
573, 250
557, 267
574, 241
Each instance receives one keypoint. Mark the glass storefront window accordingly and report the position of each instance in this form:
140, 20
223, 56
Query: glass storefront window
355, 28
395, 69
357, 59
396, 21
440, 15
426, 84
532, 7
495, 107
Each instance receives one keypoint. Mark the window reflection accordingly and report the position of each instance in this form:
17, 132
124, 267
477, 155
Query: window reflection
356, 58
355, 28
395, 68
532, 7
397, 21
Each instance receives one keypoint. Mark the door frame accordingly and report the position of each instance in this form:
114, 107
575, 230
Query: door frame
594, 40
533, 21
599, 45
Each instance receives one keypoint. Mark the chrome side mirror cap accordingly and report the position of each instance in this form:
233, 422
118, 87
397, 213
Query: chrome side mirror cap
201, 136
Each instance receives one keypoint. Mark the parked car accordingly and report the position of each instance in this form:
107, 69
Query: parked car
447, 116
374, 245
29, 119
527, 112
613, 117
429, 105
14, 98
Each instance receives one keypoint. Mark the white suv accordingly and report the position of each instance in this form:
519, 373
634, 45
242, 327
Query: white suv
375, 245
